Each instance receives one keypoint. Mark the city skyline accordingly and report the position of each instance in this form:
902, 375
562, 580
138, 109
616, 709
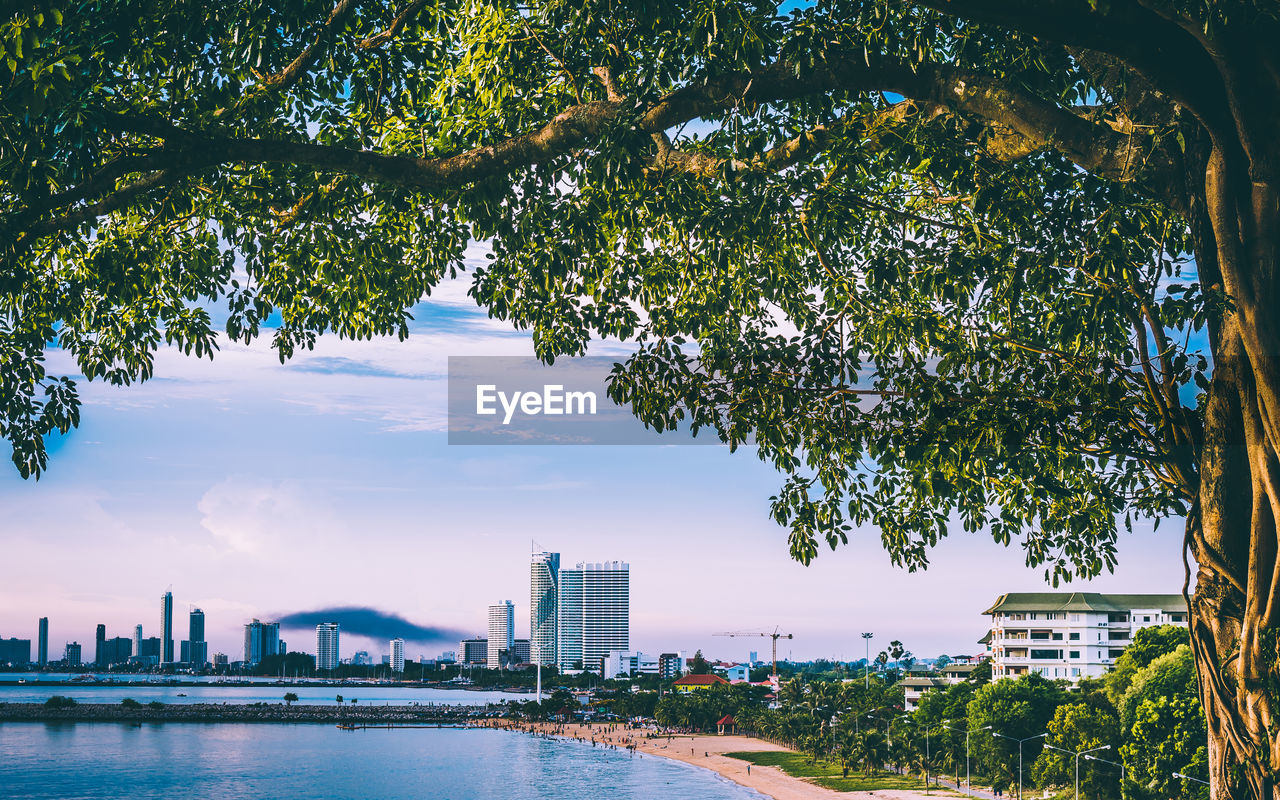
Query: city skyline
229, 639
216, 472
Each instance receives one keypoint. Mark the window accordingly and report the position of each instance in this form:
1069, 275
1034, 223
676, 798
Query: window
1075, 637
1043, 654
1075, 672
1146, 619
1075, 617
1177, 617
1057, 637
1075, 654
1113, 653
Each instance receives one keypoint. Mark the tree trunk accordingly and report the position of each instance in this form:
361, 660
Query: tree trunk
1233, 530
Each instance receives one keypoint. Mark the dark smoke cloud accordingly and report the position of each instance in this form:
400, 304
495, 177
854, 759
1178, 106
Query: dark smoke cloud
370, 622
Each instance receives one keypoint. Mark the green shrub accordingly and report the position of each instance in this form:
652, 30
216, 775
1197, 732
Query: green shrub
129, 702
58, 701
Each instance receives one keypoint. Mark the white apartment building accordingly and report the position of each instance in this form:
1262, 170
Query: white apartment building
397, 655
917, 686
1071, 635
626, 663
327, 646
502, 633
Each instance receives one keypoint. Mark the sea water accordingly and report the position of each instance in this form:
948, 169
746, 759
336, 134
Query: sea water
107, 761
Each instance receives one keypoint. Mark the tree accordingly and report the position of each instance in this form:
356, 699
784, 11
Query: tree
1016, 709
1011, 264
1077, 727
1167, 737
699, 665
290, 698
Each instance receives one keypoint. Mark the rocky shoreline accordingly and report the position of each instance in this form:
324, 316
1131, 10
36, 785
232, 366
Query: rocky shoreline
218, 712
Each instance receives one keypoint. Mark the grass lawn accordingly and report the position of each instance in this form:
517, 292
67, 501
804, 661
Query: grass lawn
828, 774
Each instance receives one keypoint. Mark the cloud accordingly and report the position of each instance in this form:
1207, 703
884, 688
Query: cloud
246, 514
363, 621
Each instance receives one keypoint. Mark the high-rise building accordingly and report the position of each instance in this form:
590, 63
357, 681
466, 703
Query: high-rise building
100, 645
220, 660
594, 614
72, 654
520, 652
327, 646
397, 655
544, 574
42, 646
149, 648
166, 628
116, 651
137, 640
502, 629
198, 654
474, 652
15, 652
261, 639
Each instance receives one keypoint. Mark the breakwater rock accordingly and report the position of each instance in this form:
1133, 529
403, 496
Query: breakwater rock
264, 712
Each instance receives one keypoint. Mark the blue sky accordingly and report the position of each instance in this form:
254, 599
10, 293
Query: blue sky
255, 489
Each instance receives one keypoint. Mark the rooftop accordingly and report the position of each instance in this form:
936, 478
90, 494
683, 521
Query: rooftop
1084, 601
699, 680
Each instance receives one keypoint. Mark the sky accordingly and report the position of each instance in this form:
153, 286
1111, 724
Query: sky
253, 489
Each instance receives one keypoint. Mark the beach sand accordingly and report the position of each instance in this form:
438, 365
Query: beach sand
708, 752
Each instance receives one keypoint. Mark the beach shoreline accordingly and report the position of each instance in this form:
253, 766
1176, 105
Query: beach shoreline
701, 750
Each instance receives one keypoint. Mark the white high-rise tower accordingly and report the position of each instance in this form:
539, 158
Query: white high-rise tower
544, 573
397, 655
594, 614
502, 633
327, 646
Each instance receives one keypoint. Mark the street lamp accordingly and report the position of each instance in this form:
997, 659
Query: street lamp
1077, 755
1112, 763
866, 668
1020, 741
927, 758
1189, 778
968, 789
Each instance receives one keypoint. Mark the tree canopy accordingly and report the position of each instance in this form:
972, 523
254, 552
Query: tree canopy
1001, 266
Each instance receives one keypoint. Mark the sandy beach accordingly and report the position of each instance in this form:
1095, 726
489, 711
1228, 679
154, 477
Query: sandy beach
707, 751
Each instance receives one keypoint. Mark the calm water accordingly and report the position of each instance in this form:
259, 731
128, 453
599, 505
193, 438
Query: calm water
100, 761
266, 693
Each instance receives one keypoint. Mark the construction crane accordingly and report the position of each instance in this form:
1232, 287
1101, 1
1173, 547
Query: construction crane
775, 635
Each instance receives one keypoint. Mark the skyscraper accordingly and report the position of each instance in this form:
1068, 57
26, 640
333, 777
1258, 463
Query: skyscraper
199, 650
327, 646
543, 580
261, 639
397, 655
137, 640
594, 614
72, 654
42, 647
166, 628
502, 633
100, 646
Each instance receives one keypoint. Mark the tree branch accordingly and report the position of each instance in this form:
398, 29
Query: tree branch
397, 25
1091, 145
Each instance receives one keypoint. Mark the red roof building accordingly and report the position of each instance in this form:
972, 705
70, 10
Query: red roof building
692, 683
